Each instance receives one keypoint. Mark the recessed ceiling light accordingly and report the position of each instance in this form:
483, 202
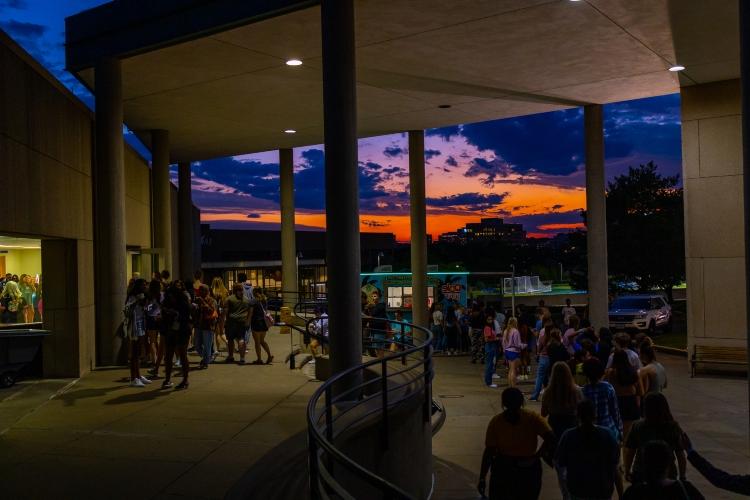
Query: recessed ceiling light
290, 131
444, 106
676, 68
294, 62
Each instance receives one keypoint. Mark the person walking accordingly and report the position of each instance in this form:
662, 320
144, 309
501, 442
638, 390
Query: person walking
491, 351
543, 364
604, 345
208, 314
238, 321
588, 457
259, 328
653, 375
570, 334
438, 330
134, 326
656, 483
555, 349
623, 343
603, 395
512, 347
657, 424
177, 327
510, 451
220, 294
623, 377
477, 322
153, 325
451, 331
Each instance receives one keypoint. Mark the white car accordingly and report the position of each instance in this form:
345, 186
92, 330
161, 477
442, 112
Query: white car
647, 312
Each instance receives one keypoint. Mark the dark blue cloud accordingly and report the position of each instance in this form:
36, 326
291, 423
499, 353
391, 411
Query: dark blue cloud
469, 201
253, 216
431, 153
488, 170
451, 162
22, 30
446, 133
13, 4
394, 151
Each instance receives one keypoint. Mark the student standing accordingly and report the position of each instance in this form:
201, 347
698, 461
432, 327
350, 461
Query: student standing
238, 322
653, 375
135, 329
512, 347
623, 377
209, 313
259, 328
490, 351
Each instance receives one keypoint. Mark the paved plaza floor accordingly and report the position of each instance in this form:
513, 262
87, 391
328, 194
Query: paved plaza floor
100, 438
712, 410
238, 432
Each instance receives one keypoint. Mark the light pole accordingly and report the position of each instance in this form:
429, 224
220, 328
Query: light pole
513, 290
380, 254
561, 273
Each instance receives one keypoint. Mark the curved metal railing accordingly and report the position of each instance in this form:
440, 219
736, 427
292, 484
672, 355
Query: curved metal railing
402, 372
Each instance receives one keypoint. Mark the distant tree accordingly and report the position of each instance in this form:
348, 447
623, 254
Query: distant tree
645, 229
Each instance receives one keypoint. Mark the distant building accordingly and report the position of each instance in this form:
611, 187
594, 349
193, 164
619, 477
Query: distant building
487, 229
257, 253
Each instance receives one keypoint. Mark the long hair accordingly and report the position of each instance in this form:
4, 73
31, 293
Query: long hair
625, 374
512, 323
656, 409
561, 391
512, 401
218, 289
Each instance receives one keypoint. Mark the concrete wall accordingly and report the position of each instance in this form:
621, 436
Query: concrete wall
714, 221
27, 261
46, 167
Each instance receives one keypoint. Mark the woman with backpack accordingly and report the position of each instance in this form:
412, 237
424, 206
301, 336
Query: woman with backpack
259, 326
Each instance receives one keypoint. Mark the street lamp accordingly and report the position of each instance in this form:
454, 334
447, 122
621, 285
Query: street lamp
380, 254
513, 290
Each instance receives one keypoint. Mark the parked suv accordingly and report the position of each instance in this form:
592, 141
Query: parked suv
643, 312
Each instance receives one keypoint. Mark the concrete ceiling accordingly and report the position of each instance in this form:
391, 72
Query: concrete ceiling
231, 93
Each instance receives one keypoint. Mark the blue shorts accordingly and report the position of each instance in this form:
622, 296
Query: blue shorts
512, 355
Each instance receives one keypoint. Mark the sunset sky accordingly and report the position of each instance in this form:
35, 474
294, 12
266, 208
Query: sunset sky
527, 170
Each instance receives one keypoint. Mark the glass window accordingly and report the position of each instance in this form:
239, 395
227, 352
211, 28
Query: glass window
20, 280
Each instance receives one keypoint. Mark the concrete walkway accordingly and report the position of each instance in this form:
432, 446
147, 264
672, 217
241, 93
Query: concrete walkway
713, 411
102, 439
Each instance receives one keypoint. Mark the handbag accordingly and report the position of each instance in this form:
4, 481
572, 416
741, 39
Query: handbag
267, 317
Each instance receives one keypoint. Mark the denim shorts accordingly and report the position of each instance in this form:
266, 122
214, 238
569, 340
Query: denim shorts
512, 355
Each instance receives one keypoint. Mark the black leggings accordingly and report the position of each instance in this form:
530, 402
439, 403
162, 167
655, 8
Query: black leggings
176, 344
515, 479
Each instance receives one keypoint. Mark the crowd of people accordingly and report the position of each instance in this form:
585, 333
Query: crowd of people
21, 298
604, 420
164, 320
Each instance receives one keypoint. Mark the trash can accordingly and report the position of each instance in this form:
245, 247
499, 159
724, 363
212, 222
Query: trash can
286, 318
18, 348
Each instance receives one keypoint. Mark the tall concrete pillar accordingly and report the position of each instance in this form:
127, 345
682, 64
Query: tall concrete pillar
342, 183
161, 212
596, 216
745, 82
288, 245
418, 217
185, 221
109, 211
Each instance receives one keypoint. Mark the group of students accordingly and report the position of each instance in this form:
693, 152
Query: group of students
162, 318
21, 298
603, 420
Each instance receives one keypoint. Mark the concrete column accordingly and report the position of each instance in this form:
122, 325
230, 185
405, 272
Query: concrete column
185, 221
418, 217
342, 183
745, 92
109, 211
161, 210
596, 216
288, 244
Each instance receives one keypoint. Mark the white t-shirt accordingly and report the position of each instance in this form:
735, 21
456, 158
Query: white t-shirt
437, 317
567, 312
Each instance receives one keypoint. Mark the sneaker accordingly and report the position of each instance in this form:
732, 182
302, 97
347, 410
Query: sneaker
145, 380
182, 385
178, 364
153, 372
492, 386
167, 384
136, 382
230, 359
242, 361
495, 375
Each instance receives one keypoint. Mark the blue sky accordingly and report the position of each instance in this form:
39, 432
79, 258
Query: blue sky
527, 169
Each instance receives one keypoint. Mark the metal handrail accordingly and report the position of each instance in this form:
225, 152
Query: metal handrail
324, 456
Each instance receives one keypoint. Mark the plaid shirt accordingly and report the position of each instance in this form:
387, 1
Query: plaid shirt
602, 394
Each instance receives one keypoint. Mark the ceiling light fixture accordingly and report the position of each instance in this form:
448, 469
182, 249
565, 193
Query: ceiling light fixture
294, 62
676, 68
290, 131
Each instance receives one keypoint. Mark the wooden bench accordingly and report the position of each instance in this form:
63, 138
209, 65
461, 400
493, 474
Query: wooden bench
717, 356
